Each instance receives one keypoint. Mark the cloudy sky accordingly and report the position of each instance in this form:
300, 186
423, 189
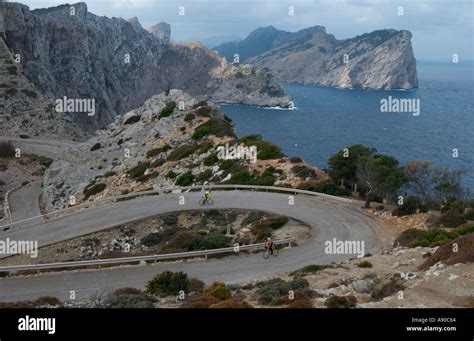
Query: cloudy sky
440, 27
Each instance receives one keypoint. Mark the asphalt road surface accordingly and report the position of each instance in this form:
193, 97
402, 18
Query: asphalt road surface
328, 219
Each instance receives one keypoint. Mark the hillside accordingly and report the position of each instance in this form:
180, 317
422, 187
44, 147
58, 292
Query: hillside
170, 141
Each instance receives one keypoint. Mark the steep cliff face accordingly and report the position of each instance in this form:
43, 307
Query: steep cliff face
380, 60
67, 51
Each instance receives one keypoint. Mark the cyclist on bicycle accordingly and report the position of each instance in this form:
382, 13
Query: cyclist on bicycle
269, 245
206, 196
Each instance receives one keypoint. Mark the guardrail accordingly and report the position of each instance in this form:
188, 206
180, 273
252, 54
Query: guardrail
124, 260
96, 203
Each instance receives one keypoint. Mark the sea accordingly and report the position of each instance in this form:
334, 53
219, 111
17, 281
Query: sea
325, 120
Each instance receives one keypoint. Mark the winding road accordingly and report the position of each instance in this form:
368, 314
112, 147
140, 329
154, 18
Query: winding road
328, 219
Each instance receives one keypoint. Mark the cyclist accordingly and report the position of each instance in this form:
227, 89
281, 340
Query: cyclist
206, 196
269, 245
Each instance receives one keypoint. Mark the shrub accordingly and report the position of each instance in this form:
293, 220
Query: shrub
138, 170
156, 238
203, 148
204, 176
364, 264
446, 254
29, 93
185, 179
6, 149
157, 163
303, 171
453, 205
146, 177
295, 159
132, 119
127, 291
230, 304
47, 300
341, 302
109, 174
94, 189
168, 283
4, 274
409, 207
95, 147
156, 151
12, 70
11, 92
189, 117
451, 218
386, 288
182, 152
215, 127
430, 238
167, 110
196, 285
266, 150
201, 302
218, 291
171, 175
130, 300
211, 159
275, 291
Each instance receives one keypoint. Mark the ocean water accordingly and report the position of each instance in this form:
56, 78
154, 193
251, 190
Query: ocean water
329, 119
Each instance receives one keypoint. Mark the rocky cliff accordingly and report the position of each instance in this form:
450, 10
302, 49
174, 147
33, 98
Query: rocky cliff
379, 60
67, 51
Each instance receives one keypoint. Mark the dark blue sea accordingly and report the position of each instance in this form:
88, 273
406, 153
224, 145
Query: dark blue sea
329, 119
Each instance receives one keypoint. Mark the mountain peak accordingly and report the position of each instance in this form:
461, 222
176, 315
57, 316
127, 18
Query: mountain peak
162, 31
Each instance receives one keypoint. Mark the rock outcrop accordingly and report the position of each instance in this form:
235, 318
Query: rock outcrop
162, 31
378, 60
67, 51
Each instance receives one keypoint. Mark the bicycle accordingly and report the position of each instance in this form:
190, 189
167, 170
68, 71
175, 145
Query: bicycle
204, 202
266, 252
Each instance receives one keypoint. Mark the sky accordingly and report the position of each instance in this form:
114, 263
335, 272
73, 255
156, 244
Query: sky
440, 28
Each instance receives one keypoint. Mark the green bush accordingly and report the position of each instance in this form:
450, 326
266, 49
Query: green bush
203, 148
157, 163
185, 179
129, 298
364, 264
189, 117
156, 238
409, 207
266, 150
7, 149
274, 291
95, 147
167, 110
430, 238
156, 151
215, 127
182, 152
204, 176
138, 170
303, 171
168, 283
109, 174
453, 205
146, 177
94, 189
171, 175
211, 159
132, 119
218, 291
12, 70
451, 218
